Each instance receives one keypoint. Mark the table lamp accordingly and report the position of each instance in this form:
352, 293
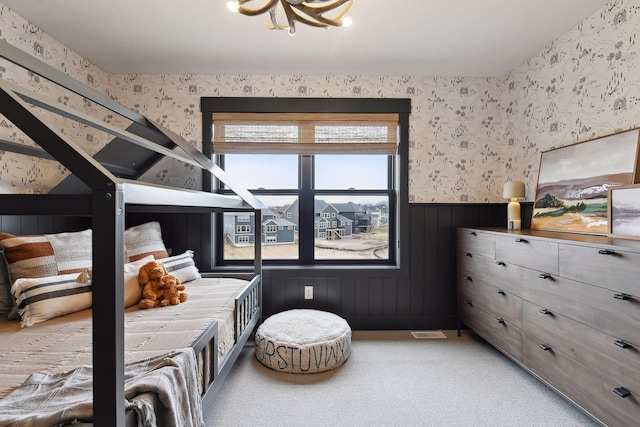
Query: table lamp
513, 190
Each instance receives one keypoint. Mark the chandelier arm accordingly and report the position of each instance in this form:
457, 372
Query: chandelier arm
331, 6
274, 21
316, 13
291, 16
253, 12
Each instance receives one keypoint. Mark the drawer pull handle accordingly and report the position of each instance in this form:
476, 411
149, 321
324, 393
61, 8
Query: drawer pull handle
622, 296
468, 254
520, 240
545, 311
473, 233
544, 276
500, 263
622, 343
468, 278
500, 320
500, 291
468, 302
545, 347
606, 252
622, 392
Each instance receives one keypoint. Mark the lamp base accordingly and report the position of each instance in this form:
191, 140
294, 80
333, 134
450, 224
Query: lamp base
513, 215
514, 224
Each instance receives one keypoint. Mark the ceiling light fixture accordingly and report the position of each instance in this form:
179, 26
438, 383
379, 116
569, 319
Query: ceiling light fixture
309, 12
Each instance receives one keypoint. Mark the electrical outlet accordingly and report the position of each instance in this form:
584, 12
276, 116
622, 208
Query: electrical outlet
308, 292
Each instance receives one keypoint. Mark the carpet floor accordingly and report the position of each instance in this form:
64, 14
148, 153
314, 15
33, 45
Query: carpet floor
394, 379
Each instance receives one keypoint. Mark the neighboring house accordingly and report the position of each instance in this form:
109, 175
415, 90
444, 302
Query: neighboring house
238, 228
278, 231
239, 231
290, 212
330, 224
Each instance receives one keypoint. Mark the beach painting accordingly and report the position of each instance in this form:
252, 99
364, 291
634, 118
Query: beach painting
624, 212
572, 193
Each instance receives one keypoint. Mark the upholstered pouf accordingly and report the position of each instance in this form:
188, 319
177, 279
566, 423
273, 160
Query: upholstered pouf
303, 341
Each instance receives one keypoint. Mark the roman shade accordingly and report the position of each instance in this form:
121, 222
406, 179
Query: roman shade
305, 133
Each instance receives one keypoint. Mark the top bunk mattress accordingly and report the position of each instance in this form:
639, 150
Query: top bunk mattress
64, 343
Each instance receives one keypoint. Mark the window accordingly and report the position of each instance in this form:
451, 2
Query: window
330, 181
272, 228
243, 229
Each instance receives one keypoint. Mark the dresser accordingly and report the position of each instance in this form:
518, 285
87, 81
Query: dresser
564, 306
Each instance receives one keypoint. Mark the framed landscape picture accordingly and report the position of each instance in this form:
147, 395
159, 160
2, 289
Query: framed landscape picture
624, 212
572, 193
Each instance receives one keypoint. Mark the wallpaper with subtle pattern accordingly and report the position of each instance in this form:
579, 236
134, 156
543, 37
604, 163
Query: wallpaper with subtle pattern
467, 135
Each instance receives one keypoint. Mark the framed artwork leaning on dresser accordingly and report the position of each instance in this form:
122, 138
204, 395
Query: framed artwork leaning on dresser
624, 212
572, 193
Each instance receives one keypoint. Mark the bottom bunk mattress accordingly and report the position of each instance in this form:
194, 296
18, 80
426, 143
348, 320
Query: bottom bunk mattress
64, 343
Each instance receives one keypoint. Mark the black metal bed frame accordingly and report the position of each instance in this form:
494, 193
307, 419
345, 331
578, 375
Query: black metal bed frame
104, 191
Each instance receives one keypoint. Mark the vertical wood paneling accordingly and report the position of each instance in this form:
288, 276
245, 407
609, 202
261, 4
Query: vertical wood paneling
320, 293
430, 259
278, 300
421, 294
334, 300
446, 261
348, 296
293, 292
403, 296
389, 297
417, 224
375, 297
362, 297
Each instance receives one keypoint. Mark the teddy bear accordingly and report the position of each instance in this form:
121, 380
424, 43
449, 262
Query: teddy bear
159, 287
172, 290
149, 278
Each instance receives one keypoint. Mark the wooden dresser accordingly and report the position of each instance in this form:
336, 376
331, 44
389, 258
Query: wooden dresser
564, 306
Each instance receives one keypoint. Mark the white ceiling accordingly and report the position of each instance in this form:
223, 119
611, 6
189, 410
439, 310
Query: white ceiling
452, 38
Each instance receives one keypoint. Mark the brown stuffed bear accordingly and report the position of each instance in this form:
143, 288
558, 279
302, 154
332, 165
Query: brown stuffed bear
149, 278
172, 288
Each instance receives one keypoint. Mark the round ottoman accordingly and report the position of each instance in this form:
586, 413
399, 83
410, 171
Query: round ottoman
303, 341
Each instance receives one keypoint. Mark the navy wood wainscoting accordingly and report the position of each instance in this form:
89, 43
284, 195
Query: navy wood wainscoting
419, 295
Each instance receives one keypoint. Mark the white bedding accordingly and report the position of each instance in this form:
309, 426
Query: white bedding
63, 343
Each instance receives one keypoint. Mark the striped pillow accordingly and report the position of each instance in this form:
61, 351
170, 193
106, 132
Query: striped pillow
143, 240
182, 266
46, 255
44, 298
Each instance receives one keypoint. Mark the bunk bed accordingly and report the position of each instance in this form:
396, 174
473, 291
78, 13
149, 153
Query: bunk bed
106, 192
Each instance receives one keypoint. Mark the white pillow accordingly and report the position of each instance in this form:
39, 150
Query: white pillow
132, 289
44, 298
142, 240
182, 266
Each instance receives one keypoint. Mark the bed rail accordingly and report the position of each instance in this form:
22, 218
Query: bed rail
247, 304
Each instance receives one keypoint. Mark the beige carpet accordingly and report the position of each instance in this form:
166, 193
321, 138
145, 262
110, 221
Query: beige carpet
393, 379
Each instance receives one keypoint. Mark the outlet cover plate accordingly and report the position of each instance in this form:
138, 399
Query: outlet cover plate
308, 292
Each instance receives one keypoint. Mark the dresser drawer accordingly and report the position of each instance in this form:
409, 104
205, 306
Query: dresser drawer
494, 300
503, 335
500, 274
586, 345
611, 269
476, 242
531, 253
595, 307
582, 385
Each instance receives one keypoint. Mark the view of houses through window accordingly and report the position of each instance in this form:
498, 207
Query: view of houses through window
355, 229
351, 206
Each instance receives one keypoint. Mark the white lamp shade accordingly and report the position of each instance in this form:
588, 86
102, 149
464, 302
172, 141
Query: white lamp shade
513, 190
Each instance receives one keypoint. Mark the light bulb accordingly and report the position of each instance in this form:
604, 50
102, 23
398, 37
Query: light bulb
233, 6
346, 22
